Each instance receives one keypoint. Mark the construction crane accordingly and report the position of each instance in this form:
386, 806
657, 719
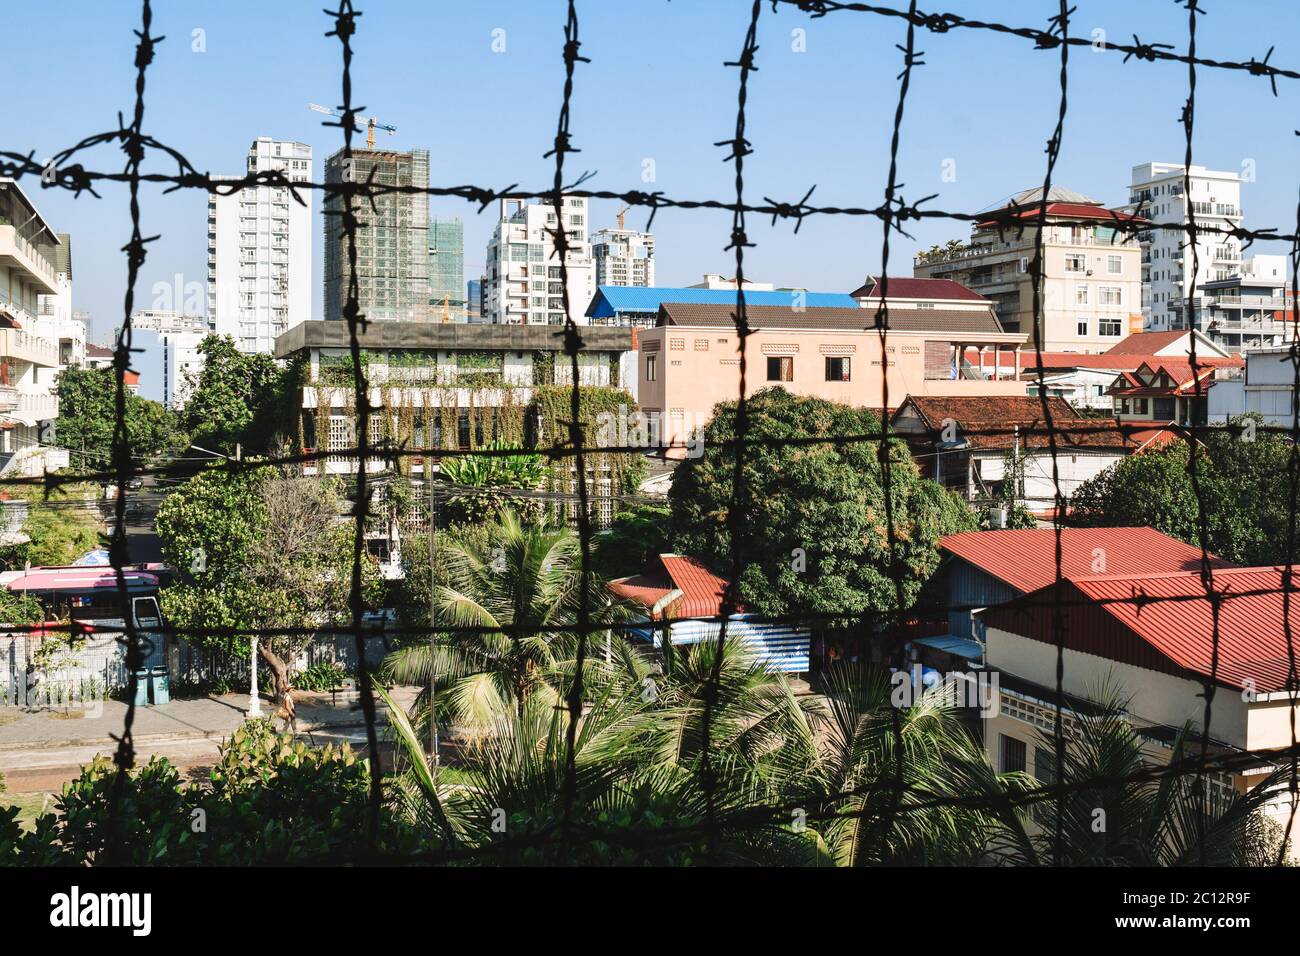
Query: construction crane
621, 213
367, 123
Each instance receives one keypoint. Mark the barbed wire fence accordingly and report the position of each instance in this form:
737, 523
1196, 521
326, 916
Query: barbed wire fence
65, 171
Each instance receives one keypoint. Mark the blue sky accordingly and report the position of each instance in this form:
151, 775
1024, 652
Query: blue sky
982, 105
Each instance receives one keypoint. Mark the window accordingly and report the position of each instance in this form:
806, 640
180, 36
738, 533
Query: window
1075, 262
1082, 327
1111, 295
837, 368
651, 363
1013, 754
1114, 265
780, 368
1080, 295
1024, 264
1108, 327
1139, 406
1163, 409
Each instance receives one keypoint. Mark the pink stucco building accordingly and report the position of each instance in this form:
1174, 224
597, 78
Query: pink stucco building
942, 339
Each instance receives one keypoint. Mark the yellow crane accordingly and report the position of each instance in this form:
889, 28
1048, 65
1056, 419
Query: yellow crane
621, 213
370, 123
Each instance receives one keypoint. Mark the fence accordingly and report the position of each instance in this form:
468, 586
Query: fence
892, 213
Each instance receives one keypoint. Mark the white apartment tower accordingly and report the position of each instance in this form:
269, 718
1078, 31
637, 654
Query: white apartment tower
180, 335
1215, 201
624, 257
259, 251
522, 285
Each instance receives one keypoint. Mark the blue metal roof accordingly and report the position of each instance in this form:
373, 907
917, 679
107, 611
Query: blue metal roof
611, 300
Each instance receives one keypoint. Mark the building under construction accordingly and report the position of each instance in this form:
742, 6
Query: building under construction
392, 241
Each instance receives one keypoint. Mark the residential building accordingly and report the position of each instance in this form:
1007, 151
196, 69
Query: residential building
179, 335
683, 599
436, 385
392, 241
974, 445
1267, 387
58, 321
1091, 284
1170, 389
1084, 380
259, 249
1128, 613
1157, 192
98, 356
447, 291
624, 257
690, 360
1246, 311
524, 281
35, 266
623, 305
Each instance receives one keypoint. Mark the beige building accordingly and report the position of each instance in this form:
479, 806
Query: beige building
947, 344
1092, 274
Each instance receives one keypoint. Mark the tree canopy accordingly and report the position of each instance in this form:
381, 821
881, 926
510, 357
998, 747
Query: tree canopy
1243, 482
87, 412
238, 398
812, 533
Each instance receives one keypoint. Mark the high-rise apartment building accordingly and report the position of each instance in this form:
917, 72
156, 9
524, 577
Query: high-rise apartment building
523, 284
624, 257
1091, 289
447, 269
474, 299
392, 243
179, 335
1158, 189
259, 250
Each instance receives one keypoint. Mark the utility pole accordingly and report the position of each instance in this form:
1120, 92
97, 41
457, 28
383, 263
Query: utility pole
433, 551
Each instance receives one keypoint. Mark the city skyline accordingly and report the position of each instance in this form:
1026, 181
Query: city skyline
808, 122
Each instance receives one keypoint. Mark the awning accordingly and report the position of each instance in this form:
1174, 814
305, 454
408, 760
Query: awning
965, 647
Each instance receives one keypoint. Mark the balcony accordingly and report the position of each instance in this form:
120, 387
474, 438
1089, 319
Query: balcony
37, 406
15, 343
17, 252
8, 399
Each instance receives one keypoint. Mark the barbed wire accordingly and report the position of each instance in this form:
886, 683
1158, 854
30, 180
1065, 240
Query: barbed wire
67, 171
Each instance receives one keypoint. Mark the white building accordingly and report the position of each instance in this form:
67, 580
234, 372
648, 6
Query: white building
713, 280
1245, 311
1215, 202
624, 257
523, 282
1268, 388
179, 335
259, 251
34, 265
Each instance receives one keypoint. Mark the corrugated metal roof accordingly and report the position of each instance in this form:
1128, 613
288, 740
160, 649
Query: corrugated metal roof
1129, 623
610, 300
701, 589
1026, 558
974, 321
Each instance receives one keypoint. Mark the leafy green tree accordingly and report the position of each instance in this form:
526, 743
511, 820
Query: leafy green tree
87, 412
493, 477
260, 549
238, 398
1244, 495
633, 538
58, 536
812, 533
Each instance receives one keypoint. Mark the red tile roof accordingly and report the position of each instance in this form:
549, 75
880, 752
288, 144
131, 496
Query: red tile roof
701, 589
1117, 361
1068, 210
996, 415
905, 287
1026, 558
1121, 617
1145, 343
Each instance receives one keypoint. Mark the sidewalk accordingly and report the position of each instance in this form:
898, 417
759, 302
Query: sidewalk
40, 750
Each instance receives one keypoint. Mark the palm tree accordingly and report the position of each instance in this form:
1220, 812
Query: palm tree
512, 589
1114, 810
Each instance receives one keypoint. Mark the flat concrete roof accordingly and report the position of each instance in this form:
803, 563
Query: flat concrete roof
450, 336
